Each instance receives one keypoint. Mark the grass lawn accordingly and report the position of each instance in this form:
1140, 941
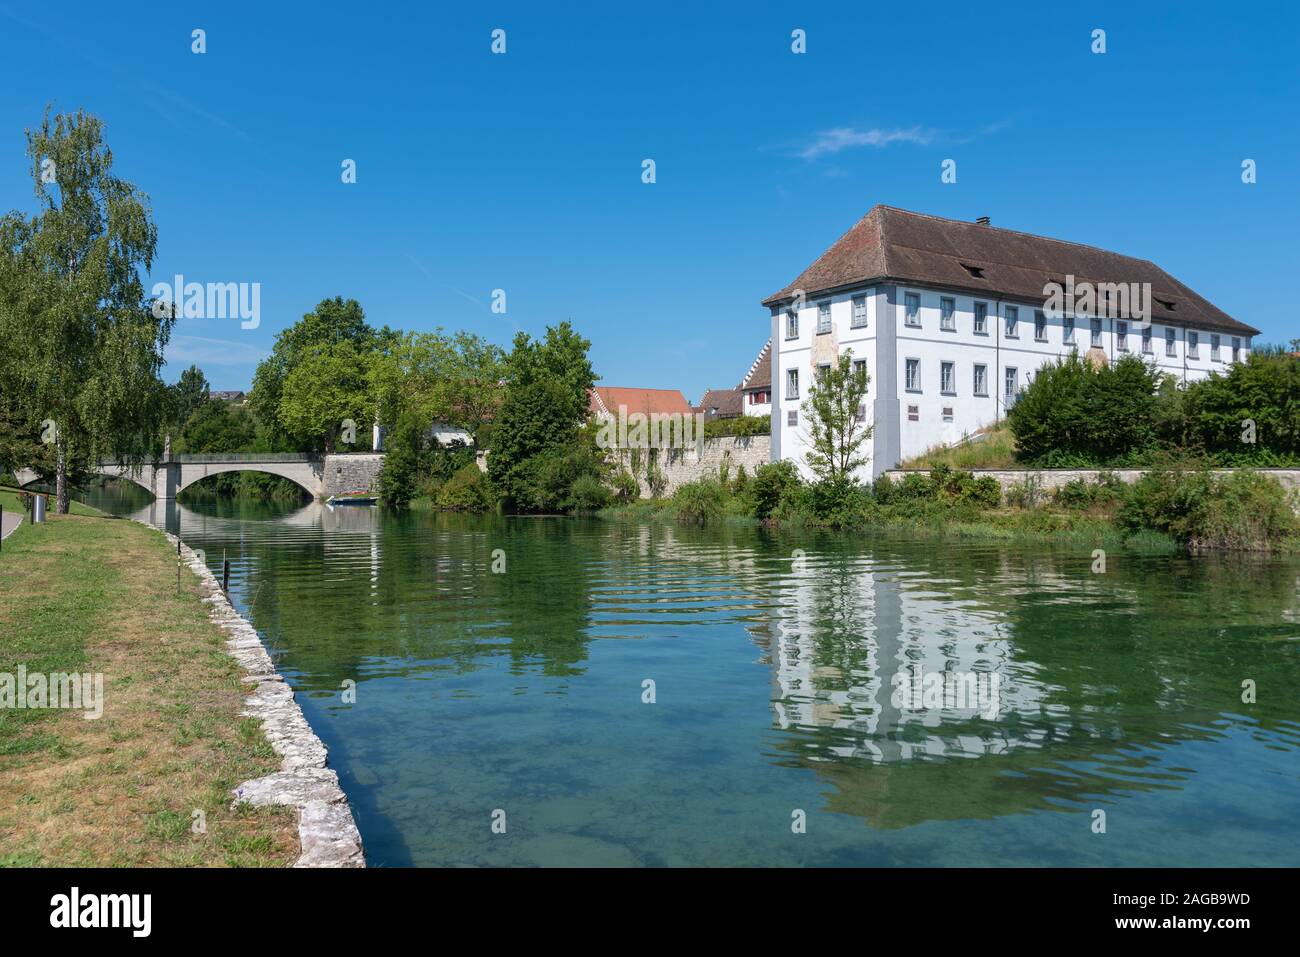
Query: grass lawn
88, 593
997, 450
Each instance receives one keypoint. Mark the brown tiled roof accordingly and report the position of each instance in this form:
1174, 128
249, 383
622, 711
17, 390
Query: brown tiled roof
896, 245
759, 375
606, 398
721, 403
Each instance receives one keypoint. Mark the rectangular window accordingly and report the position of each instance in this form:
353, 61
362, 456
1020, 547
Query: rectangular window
1236, 349
859, 312
792, 383
791, 324
948, 314
1214, 348
1067, 331
981, 380
861, 415
1121, 336
912, 308
823, 317
1096, 333
981, 318
759, 398
823, 368
1009, 382
1193, 345
1040, 326
913, 376
1146, 339
947, 413
1013, 318
792, 417
1171, 342
948, 378
859, 366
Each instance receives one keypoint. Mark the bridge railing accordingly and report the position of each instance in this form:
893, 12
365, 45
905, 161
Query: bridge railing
214, 457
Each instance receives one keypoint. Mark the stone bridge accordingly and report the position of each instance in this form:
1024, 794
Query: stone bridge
319, 475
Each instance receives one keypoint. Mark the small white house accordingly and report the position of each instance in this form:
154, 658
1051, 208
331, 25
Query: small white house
952, 319
756, 387
443, 432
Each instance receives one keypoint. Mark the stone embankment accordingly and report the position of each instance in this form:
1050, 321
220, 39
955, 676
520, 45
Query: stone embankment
326, 830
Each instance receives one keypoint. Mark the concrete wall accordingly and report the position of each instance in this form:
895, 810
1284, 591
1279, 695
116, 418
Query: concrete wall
680, 466
355, 471
1051, 478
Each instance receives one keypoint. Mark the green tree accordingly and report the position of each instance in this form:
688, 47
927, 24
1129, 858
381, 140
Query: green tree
1075, 415
432, 377
535, 439
218, 427
837, 430
334, 324
323, 390
81, 344
190, 392
1251, 414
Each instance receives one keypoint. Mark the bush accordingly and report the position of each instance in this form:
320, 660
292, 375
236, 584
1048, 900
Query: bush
626, 488
772, 483
589, 493
840, 503
1080, 494
740, 484
1242, 511
740, 425
1247, 512
700, 502
984, 492
1075, 415
468, 490
1027, 493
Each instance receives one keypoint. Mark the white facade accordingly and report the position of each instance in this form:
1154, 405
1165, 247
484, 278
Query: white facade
936, 376
757, 402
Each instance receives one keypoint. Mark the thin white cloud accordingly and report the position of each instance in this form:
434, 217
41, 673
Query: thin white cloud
830, 142
203, 352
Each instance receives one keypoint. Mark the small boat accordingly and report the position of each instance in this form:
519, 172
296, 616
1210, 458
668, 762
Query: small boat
359, 497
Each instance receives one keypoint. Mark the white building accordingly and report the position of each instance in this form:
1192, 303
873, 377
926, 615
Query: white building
756, 387
952, 319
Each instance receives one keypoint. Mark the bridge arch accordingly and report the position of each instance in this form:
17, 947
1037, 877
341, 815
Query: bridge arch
299, 473
141, 477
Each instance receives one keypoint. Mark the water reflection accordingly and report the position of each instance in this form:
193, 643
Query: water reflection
774, 660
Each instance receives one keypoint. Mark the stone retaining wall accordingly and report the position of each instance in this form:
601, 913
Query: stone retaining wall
680, 466
351, 471
1051, 478
326, 830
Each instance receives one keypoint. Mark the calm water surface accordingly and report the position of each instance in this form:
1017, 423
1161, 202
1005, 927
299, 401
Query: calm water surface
772, 659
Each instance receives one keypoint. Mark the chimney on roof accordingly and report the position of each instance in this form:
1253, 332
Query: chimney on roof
982, 221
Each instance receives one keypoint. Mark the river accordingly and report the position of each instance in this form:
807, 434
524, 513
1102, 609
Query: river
629, 694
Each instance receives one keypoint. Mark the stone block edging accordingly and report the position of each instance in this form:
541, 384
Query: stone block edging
326, 829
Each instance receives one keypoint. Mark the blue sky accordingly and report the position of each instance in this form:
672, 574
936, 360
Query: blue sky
523, 171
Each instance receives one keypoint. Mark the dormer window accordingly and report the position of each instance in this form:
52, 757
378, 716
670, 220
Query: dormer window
977, 272
1166, 303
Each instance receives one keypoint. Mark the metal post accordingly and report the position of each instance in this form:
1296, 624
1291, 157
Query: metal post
225, 575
